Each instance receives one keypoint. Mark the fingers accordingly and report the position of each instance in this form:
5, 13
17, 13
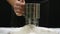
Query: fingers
19, 7
21, 3
21, 0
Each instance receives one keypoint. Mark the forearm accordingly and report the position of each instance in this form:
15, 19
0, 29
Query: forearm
11, 2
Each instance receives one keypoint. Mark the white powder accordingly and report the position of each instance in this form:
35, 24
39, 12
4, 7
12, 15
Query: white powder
32, 29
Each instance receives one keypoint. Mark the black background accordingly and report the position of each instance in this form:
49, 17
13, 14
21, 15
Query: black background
50, 15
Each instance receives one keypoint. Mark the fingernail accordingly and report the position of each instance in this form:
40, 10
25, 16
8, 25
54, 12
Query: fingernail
18, 0
21, 0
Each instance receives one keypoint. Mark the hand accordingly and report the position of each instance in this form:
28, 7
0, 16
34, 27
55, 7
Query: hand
19, 7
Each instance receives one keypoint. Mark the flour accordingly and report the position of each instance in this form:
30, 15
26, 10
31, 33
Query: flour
32, 29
